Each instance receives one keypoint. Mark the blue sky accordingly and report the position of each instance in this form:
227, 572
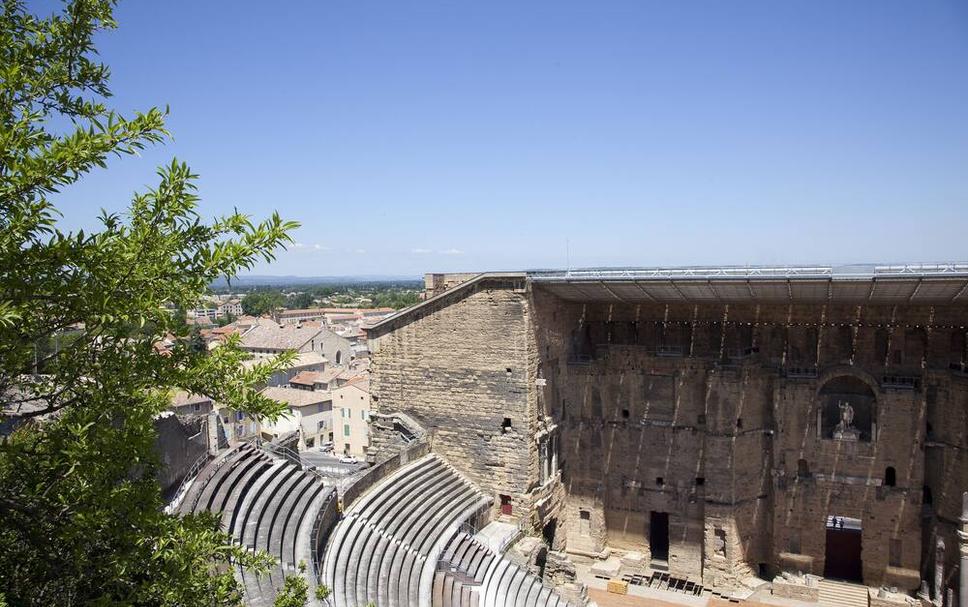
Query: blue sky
438, 136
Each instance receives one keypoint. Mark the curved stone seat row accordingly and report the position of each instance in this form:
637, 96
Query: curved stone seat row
385, 549
265, 504
471, 575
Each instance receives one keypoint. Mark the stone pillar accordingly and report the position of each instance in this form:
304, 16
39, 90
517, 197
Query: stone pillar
939, 573
554, 453
963, 552
211, 429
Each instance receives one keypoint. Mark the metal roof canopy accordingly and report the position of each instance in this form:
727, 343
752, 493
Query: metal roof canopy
944, 283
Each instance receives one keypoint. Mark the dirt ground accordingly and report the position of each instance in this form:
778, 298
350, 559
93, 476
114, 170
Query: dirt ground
607, 599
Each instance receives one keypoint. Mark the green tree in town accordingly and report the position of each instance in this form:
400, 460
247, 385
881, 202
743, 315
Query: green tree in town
300, 301
81, 515
262, 302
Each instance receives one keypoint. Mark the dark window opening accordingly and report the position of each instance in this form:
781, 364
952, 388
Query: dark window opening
659, 481
700, 481
926, 496
625, 413
956, 348
739, 423
881, 340
846, 338
890, 477
548, 532
803, 469
506, 504
505, 425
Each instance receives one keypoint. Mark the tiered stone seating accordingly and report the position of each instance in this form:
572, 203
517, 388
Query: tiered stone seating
265, 504
471, 575
386, 547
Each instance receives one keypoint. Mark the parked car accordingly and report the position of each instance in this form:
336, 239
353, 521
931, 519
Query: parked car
348, 459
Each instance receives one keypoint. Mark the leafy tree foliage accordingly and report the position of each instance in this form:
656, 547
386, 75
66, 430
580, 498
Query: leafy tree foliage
262, 302
322, 594
81, 518
295, 590
228, 319
394, 299
299, 301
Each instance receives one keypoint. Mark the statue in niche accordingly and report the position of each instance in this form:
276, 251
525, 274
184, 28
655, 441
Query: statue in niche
845, 429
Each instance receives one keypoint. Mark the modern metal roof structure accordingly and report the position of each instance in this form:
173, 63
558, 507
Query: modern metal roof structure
883, 284
924, 284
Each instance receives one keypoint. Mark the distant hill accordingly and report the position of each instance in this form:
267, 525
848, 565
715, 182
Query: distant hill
256, 280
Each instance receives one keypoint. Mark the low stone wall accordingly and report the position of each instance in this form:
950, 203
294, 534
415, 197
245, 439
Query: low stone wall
882, 597
325, 522
805, 588
391, 433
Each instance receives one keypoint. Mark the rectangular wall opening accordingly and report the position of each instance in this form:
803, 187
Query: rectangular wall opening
843, 549
659, 536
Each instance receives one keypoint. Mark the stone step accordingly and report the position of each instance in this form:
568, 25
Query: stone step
842, 594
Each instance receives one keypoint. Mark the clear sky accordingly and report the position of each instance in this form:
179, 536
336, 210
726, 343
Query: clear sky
438, 136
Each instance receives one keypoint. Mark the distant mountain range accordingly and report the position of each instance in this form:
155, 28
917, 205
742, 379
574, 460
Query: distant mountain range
255, 280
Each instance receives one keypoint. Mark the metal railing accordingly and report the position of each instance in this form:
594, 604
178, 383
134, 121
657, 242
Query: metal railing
291, 456
280, 451
316, 553
193, 471
801, 372
900, 382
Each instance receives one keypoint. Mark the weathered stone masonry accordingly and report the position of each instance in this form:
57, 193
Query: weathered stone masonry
462, 368
725, 417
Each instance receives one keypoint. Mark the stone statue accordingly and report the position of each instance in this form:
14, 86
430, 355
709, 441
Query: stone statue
846, 416
845, 430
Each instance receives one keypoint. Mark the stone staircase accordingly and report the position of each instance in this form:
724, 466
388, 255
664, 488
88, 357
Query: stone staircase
842, 594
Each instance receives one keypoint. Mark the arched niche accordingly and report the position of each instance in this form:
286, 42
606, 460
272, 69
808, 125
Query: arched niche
848, 406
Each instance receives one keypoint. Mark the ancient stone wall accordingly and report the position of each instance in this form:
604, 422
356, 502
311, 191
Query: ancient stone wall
725, 417
739, 428
462, 368
946, 469
180, 442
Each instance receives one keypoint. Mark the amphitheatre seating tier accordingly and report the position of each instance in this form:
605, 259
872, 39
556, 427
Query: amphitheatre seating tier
401, 544
386, 547
471, 575
265, 504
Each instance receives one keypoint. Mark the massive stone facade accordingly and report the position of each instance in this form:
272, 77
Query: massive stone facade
720, 440
462, 368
